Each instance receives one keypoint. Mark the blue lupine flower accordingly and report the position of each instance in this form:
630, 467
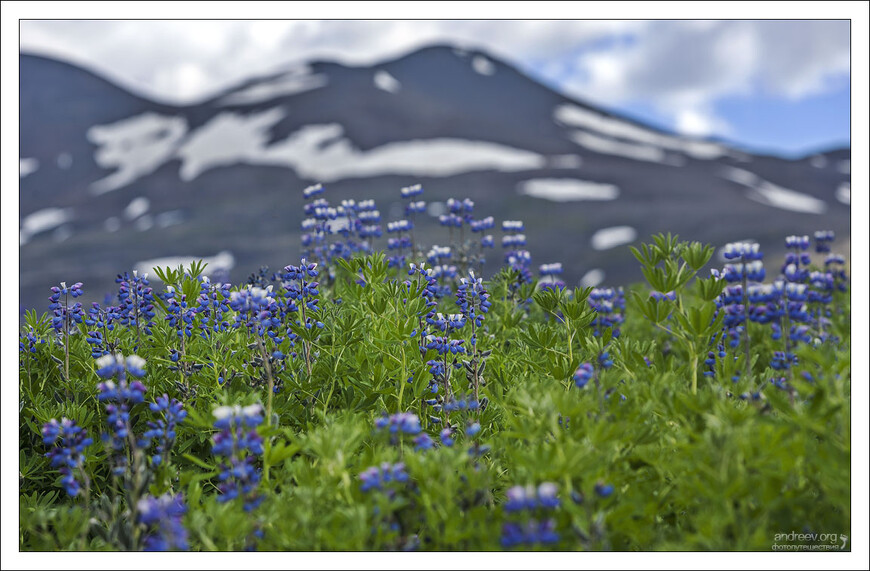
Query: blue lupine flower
120, 397
823, 240
423, 442
64, 313
603, 490
239, 443
748, 251
472, 429
136, 301
163, 517
399, 423
412, 191
385, 478
530, 533
163, 429
609, 307
69, 453
447, 437
483, 224
547, 495
583, 375
312, 191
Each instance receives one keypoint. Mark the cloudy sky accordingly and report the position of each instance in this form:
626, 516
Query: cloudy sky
782, 86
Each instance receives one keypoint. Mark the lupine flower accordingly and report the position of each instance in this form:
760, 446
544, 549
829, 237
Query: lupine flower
415, 207
163, 516
28, 341
473, 301
460, 403
748, 251
120, 397
312, 191
423, 442
583, 375
400, 226
482, 224
530, 533
411, 191
399, 423
782, 360
536, 502
136, 301
69, 453
163, 429
604, 490
239, 444
65, 314
386, 478
609, 307
447, 437
521, 498
118, 365
823, 240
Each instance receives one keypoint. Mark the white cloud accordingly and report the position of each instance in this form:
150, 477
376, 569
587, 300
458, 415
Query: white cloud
683, 68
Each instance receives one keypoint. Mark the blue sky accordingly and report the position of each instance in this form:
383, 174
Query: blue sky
775, 86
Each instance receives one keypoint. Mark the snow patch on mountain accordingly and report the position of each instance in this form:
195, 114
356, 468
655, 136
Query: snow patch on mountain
567, 189
320, 152
223, 260
41, 221
134, 147
229, 138
383, 80
575, 116
137, 207
844, 193
482, 65
297, 80
608, 146
592, 278
818, 161
608, 238
27, 166
770, 194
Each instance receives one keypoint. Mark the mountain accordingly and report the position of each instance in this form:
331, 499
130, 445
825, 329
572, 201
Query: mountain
110, 181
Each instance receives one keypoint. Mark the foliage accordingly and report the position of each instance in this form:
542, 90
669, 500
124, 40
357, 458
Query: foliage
559, 421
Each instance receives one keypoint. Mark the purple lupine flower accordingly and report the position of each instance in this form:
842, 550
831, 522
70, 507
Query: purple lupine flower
239, 444
603, 490
163, 429
399, 423
583, 375
69, 452
162, 515
387, 478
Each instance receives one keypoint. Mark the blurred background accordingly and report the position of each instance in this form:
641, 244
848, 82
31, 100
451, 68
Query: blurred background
149, 143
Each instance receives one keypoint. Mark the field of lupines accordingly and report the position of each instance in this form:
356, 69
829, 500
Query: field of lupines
393, 400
